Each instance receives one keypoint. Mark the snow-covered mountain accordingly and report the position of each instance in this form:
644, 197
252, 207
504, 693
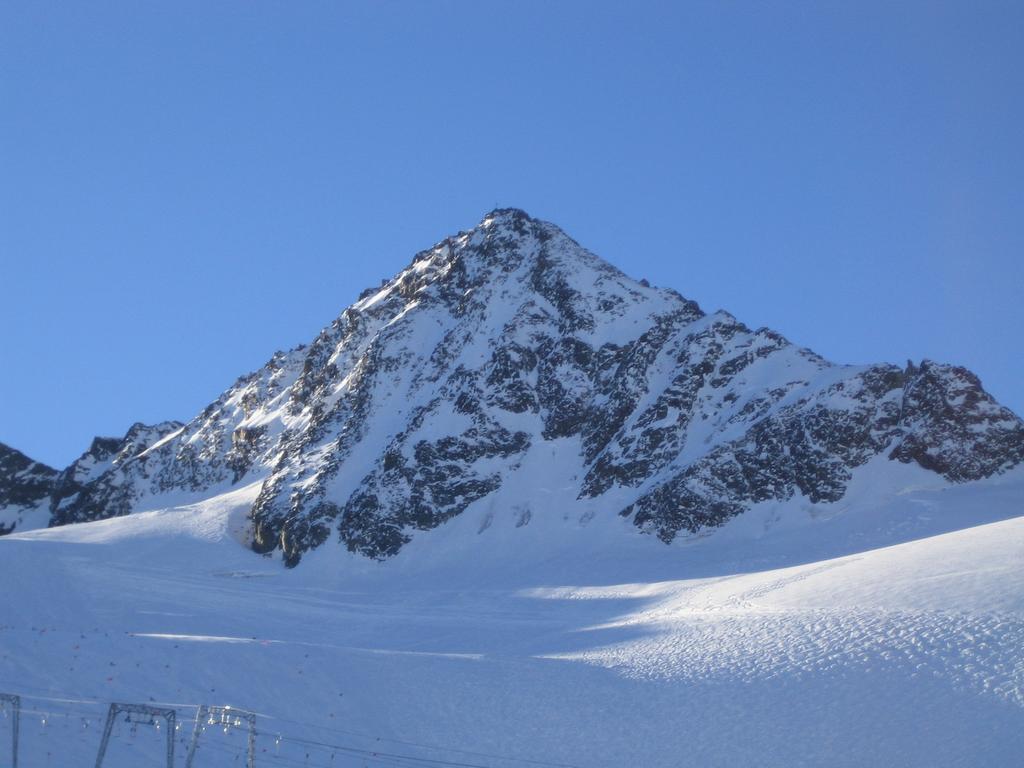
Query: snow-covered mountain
508, 371
843, 586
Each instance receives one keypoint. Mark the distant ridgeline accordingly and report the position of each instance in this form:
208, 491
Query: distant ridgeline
508, 360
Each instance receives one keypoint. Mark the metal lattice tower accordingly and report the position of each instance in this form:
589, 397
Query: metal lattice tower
227, 718
14, 703
138, 713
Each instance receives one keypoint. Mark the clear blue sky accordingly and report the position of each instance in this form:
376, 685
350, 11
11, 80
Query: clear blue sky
186, 187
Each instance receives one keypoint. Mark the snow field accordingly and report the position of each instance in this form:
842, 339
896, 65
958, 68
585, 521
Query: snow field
888, 628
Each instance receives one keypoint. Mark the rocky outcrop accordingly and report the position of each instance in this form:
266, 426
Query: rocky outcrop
953, 427
94, 486
25, 488
90, 488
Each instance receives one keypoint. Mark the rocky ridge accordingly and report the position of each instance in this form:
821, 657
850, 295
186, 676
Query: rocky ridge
509, 346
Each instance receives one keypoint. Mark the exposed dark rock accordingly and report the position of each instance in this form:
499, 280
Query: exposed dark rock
94, 486
25, 486
954, 427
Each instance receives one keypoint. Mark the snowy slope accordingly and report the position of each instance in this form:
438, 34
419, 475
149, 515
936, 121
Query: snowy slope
885, 628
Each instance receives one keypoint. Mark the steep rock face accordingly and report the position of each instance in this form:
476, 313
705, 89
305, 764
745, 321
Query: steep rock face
438, 383
95, 480
33, 495
508, 349
954, 427
25, 488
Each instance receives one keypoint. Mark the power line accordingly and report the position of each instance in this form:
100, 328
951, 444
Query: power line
434, 747
354, 750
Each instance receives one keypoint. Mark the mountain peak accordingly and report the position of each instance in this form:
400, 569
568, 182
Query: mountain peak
505, 217
508, 259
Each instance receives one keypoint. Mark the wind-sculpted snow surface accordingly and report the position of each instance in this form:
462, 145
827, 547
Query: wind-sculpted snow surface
508, 362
